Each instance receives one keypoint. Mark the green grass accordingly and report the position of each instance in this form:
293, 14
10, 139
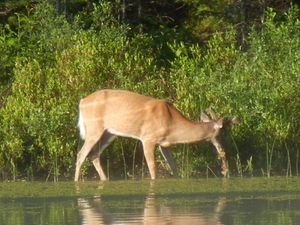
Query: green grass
167, 187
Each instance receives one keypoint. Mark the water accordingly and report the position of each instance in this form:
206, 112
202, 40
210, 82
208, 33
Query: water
213, 201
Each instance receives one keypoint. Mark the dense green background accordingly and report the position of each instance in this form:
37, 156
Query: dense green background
240, 57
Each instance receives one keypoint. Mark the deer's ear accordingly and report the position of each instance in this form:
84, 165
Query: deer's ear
235, 120
219, 124
212, 113
204, 117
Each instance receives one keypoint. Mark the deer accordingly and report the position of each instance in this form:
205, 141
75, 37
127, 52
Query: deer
107, 114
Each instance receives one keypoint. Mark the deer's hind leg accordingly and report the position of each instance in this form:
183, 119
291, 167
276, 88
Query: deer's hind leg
87, 147
105, 141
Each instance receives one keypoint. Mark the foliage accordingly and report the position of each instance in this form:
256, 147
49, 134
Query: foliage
55, 68
49, 61
259, 85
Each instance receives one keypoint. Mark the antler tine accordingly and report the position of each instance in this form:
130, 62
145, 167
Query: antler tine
212, 113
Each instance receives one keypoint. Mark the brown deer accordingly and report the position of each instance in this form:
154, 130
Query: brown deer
106, 114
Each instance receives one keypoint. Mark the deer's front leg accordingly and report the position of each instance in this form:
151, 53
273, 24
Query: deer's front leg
149, 149
225, 168
167, 154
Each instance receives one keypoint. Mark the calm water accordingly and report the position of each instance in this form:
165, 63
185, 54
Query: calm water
214, 201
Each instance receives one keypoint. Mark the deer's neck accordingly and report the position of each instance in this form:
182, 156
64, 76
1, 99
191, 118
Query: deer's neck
189, 132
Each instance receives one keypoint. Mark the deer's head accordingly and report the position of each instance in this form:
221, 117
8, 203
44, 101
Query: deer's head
220, 127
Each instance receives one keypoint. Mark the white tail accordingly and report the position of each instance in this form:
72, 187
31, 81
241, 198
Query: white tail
81, 126
106, 114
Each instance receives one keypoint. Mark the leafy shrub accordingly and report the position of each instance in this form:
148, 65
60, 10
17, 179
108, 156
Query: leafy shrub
53, 62
259, 85
57, 67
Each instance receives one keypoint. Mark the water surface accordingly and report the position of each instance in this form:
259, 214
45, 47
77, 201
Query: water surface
203, 201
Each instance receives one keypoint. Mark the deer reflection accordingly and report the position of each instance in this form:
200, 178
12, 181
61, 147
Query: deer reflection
167, 215
93, 213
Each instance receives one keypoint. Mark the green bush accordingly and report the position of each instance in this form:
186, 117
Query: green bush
52, 62
58, 65
259, 85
